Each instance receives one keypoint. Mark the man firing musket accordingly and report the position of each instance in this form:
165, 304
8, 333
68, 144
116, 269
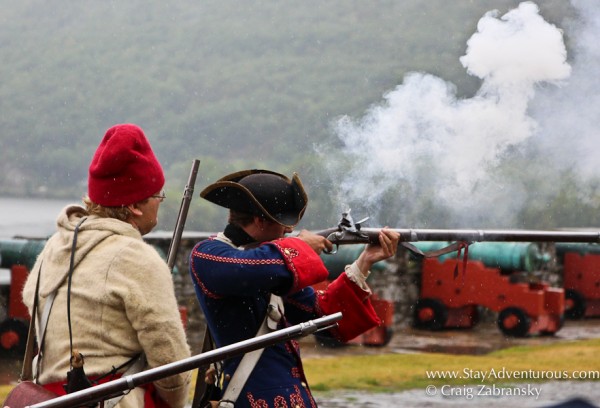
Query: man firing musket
252, 278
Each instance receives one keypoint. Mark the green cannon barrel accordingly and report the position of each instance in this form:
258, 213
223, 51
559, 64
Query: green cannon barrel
345, 255
508, 256
25, 252
20, 252
581, 248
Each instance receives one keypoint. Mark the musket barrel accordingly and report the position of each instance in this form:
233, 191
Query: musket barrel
413, 235
118, 387
182, 216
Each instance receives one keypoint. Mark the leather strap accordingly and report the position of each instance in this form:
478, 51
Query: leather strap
454, 247
26, 371
43, 320
69, 279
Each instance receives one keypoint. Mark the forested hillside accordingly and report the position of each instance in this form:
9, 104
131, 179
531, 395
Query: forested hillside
235, 84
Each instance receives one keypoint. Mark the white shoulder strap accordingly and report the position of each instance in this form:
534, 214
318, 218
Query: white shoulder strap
135, 368
274, 313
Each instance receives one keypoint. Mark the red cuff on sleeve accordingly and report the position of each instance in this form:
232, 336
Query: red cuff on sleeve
358, 315
306, 265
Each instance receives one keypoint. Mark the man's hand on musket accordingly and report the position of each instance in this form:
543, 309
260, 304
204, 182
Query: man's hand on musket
316, 242
388, 246
210, 376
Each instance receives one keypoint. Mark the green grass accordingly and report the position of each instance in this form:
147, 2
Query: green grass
398, 372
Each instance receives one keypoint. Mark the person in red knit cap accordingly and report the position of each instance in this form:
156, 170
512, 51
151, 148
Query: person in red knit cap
123, 316
252, 278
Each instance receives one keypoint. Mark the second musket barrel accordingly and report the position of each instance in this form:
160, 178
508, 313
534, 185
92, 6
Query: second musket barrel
507, 256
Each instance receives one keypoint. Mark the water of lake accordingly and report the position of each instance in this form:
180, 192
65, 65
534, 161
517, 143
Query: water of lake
30, 217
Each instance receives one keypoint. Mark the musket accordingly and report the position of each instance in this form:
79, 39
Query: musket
121, 386
349, 232
182, 216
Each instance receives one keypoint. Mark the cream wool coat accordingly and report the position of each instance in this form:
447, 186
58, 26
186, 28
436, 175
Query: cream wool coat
122, 304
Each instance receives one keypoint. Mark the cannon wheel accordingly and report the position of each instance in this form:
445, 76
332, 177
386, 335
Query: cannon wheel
514, 322
430, 314
574, 304
13, 336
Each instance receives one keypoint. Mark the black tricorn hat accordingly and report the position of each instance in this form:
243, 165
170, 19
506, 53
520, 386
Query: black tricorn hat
260, 192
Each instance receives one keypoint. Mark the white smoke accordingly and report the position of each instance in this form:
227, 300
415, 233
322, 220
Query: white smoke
423, 140
568, 117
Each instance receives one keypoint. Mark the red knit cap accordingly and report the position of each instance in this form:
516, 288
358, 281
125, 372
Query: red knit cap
124, 169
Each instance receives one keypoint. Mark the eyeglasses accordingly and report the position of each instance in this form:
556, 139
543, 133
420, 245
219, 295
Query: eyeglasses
160, 196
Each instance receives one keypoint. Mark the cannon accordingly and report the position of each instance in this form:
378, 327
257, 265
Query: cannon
581, 278
17, 257
448, 301
507, 256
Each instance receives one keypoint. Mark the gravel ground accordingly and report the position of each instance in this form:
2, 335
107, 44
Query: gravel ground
550, 394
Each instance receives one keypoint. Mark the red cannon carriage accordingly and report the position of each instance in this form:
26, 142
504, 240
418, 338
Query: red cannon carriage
449, 301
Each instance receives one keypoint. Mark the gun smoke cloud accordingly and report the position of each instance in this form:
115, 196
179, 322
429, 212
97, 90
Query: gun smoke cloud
433, 160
